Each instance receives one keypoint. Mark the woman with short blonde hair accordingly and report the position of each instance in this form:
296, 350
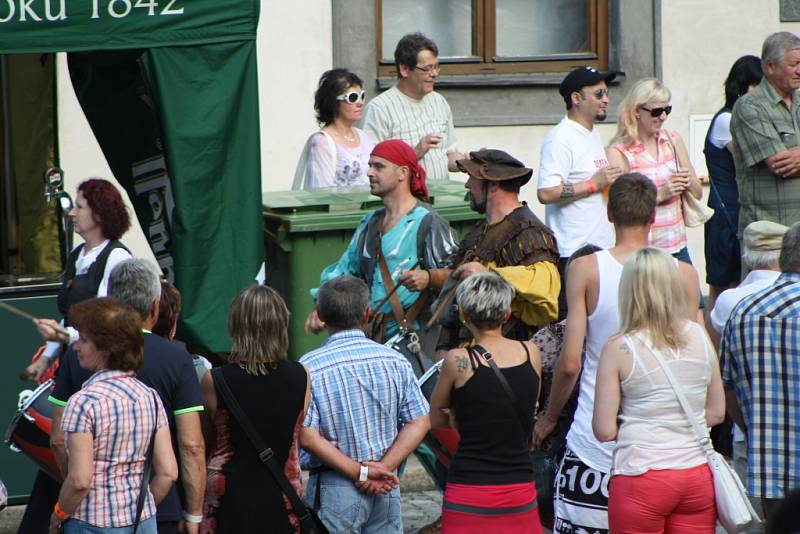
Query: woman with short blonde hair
657, 452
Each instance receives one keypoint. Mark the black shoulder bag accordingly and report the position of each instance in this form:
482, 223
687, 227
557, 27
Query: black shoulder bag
544, 468
309, 522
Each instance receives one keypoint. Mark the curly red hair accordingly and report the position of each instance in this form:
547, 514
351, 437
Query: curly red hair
107, 205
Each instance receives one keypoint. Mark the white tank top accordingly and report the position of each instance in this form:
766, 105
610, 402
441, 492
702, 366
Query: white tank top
601, 325
655, 432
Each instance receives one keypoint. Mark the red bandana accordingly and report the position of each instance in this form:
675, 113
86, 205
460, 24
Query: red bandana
400, 153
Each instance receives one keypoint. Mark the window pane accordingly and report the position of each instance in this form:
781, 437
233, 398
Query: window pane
541, 27
447, 22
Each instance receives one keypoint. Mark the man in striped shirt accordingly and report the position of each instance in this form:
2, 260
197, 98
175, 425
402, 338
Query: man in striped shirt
759, 359
413, 111
367, 414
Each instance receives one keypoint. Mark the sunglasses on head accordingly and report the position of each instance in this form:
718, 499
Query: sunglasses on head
352, 97
656, 112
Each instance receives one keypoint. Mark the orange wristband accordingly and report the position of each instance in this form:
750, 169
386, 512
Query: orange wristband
592, 188
60, 514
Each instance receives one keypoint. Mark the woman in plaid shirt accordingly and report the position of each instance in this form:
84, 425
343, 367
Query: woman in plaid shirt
108, 425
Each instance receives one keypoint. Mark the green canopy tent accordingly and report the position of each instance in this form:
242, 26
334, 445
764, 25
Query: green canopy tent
170, 90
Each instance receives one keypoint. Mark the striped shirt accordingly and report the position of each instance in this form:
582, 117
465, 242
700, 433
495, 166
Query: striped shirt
668, 231
119, 412
760, 359
393, 115
361, 394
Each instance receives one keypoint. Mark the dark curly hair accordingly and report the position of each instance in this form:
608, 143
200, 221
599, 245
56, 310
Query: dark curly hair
107, 206
332, 83
408, 48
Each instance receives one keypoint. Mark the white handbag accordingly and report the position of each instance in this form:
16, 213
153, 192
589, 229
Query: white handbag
734, 511
695, 213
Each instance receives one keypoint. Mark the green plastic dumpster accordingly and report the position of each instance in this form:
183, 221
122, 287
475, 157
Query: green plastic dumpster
305, 231
20, 340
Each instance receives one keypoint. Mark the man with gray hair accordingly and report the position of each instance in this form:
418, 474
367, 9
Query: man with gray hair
761, 250
362, 392
765, 126
169, 370
759, 358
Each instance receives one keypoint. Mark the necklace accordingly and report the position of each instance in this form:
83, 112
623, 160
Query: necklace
349, 138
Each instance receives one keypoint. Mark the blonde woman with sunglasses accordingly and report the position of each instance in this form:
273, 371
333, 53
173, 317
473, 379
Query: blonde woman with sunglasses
338, 154
642, 145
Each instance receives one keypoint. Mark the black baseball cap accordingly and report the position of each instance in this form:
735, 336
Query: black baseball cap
580, 78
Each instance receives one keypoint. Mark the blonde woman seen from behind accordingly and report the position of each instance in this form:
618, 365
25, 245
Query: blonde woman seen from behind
657, 452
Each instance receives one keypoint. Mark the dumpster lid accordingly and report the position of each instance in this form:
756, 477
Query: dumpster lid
352, 198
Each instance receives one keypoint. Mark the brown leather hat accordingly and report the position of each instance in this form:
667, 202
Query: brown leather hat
493, 165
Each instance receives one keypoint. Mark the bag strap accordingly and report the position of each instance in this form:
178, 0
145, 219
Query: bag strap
148, 468
486, 355
388, 283
265, 453
700, 430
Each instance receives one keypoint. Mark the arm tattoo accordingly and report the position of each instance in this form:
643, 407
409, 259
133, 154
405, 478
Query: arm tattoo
462, 363
567, 191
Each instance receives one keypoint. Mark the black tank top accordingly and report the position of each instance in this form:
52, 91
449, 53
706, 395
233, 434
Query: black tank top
493, 449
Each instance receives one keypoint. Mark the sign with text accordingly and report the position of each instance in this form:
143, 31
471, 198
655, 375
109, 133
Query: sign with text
79, 25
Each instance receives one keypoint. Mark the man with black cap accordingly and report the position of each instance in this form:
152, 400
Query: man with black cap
574, 170
511, 241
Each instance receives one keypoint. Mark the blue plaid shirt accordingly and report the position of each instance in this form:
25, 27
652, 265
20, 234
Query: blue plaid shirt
361, 394
760, 359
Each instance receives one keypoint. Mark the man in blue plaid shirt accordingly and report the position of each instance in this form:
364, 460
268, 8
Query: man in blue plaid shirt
367, 414
760, 361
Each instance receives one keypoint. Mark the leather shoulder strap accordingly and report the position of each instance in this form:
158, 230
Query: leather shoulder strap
265, 453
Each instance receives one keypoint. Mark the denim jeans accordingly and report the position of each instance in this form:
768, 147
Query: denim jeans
346, 510
76, 526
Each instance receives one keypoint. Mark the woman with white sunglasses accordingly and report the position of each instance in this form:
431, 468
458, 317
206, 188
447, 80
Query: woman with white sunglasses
338, 154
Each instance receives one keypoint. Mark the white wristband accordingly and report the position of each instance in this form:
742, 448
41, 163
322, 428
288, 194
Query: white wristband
363, 473
189, 518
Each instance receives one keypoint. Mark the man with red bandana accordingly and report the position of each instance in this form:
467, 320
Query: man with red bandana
406, 232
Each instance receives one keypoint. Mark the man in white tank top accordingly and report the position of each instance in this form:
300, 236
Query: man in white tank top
581, 494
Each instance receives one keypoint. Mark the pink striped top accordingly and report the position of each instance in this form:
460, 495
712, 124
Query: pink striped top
668, 231
120, 413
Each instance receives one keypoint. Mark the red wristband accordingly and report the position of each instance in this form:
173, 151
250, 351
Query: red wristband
590, 184
60, 514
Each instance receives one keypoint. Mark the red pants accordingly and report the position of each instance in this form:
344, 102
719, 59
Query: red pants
663, 501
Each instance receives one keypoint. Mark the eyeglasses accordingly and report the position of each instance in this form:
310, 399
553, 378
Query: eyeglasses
428, 68
352, 97
656, 112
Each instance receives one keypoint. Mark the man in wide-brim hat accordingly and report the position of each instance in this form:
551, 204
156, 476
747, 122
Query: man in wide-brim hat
510, 240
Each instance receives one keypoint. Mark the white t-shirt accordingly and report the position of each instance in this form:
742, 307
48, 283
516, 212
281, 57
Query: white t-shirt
721, 132
571, 154
393, 115
728, 299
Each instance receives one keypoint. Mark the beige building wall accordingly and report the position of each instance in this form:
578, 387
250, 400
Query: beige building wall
294, 49
699, 42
